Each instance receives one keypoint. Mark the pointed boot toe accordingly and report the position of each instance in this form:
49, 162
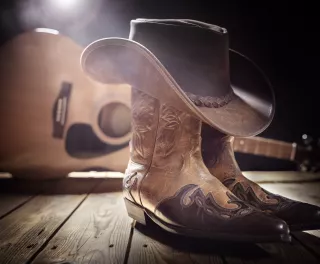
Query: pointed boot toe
191, 212
300, 216
218, 155
261, 224
167, 181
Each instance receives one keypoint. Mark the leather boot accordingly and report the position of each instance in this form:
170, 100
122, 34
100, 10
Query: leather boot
167, 181
218, 155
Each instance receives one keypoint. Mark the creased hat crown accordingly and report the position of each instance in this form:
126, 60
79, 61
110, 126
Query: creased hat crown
195, 53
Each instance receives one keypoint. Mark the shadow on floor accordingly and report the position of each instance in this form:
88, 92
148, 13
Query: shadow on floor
303, 246
62, 186
248, 251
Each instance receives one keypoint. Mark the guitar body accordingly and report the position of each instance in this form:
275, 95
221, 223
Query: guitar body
54, 119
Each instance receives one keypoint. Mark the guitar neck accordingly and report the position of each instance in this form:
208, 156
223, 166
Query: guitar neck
266, 147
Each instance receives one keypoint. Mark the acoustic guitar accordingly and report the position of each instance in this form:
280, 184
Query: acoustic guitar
54, 119
306, 155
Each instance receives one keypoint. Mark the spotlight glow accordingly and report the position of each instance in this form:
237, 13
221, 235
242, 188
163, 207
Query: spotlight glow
67, 16
64, 4
47, 30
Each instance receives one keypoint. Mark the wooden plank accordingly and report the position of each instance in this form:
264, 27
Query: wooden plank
5, 175
9, 203
58, 186
15, 186
151, 244
310, 240
281, 253
305, 247
304, 192
281, 176
27, 229
97, 174
315, 233
98, 232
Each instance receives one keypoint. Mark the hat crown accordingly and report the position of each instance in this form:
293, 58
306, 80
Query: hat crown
196, 54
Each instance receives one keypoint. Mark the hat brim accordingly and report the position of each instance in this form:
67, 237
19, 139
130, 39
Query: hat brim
116, 60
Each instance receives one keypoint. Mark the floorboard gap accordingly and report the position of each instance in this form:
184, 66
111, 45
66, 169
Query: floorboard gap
126, 257
32, 258
17, 207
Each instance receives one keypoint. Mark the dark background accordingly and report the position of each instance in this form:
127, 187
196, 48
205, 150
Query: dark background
280, 36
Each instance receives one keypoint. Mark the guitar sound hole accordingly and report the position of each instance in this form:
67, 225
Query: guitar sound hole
82, 142
115, 120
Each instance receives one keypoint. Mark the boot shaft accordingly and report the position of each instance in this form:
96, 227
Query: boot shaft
218, 153
165, 141
167, 180
144, 123
166, 155
161, 133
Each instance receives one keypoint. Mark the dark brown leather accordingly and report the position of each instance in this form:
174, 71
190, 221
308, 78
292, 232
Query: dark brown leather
115, 60
192, 208
190, 50
167, 177
219, 158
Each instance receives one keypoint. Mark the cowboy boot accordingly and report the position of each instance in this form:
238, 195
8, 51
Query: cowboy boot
218, 155
167, 181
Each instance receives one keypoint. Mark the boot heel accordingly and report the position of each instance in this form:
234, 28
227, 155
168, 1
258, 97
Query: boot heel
135, 211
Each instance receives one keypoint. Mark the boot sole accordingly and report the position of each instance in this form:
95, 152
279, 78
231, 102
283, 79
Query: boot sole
141, 214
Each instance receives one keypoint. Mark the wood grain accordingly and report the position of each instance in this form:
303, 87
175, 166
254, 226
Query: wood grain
48, 229
310, 240
280, 253
8, 203
314, 233
304, 192
304, 247
281, 176
28, 228
150, 244
98, 232
310, 193
57, 186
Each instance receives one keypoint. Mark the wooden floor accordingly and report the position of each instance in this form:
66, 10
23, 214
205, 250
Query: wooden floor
79, 220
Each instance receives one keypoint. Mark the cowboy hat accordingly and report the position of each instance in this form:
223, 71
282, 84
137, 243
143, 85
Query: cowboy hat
187, 64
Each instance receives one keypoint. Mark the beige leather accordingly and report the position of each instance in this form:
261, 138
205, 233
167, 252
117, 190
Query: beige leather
219, 157
166, 178
166, 154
